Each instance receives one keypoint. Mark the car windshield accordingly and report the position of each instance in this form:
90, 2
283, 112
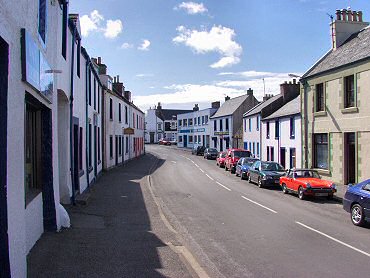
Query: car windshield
271, 166
249, 162
223, 155
242, 154
305, 174
212, 150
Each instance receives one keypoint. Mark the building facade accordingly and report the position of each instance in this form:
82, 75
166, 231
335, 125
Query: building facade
335, 104
193, 128
227, 122
281, 139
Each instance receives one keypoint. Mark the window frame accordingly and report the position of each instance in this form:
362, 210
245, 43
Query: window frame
346, 101
314, 153
320, 99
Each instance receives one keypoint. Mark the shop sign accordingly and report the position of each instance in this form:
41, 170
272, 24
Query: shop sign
200, 130
221, 133
128, 131
186, 130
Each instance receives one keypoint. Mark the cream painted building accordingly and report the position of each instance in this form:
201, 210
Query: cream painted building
335, 104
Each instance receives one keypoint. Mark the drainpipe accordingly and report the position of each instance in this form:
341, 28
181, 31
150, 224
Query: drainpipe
88, 77
73, 198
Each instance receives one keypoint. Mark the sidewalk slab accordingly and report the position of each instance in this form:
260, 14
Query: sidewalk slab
119, 233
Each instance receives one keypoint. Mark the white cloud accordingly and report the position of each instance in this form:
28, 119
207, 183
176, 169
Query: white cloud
219, 39
144, 75
95, 22
144, 45
113, 28
185, 95
90, 22
126, 45
192, 7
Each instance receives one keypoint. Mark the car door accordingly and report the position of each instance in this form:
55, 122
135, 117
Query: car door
239, 166
254, 171
365, 199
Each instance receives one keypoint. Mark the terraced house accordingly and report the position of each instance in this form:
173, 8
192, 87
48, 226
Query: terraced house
335, 103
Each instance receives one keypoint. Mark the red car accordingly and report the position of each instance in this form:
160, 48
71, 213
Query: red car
220, 160
164, 142
232, 158
307, 182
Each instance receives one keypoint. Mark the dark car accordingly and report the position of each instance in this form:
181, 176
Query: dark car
266, 173
243, 166
198, 150
357, 202
210, 153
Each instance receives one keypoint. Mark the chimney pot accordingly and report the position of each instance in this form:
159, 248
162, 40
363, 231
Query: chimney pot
294, 81
359, 13
354, 16
114, 80
344, 14
118, 78
99, 60
227, 98
338, 14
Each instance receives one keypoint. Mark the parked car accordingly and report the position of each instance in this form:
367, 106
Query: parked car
357, 202
220, 160
243, 166
307, 182
232, 158
210, 153
164, 142
198, 150
265, 173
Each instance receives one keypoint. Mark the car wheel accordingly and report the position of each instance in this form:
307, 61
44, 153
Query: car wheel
259, 183
249, 179
301, 193
357, 215
242, 177
226, 168
236, 174
283, 187
330, 197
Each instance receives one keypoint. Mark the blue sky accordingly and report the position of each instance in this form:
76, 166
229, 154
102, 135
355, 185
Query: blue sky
186, 52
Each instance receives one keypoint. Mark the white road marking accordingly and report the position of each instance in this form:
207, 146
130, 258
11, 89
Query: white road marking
182, 155
200, 169
196, 165
334, 239
174, 162
258, 204
220, 184
210, 177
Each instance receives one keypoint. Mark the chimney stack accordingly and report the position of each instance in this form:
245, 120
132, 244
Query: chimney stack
196, 107
267, 97
250, 92
127, 95
346, 23
99, 60
289, 91
118, 86
227, 98
215, 104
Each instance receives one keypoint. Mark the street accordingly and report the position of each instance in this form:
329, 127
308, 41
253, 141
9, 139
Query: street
235, 229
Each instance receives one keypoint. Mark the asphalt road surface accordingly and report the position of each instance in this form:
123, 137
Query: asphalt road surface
235, 229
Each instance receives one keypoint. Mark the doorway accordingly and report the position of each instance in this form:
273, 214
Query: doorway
282, 157
185, 141
117, 148
76, 152
4, 243
95, 151
350, 157
151, 140
221, 145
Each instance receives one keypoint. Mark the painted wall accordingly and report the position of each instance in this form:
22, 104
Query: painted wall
252, 134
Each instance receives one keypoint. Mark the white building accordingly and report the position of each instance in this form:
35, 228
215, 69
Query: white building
281, 135
161, 123
252, 131
193, 128
228, 120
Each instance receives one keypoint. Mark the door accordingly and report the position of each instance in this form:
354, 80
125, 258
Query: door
95, 151
4, 247
76, 145
151, 134
350, 157
282, 157
185, 141
204, 141
117, 148
221, 144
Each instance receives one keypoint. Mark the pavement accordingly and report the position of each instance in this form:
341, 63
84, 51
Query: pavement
235, 229
119, 233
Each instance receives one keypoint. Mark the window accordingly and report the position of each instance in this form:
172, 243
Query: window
320, 97
349, 91
321, 151
250, 146
159, 125
126, 144
267, 130
227, 124
258, 149
78, 57
90, 147
99, 144
180, 122
227, 141
180, 139
64, 29
199, 139
250, 124
94, 93
111, 109
215, 125
199, 121
119, 146
245, 125
137, 121
133, 119
190, 139
80, 148
366, 187
258, 123
272, 153
126, 115
268, 153
292, 156
292, 128
202, 120
111, 147
206, 119
195, 121
98, 98
185, 122
221, 125
89, 87
277, 129
119, 112
42, 19
190, 122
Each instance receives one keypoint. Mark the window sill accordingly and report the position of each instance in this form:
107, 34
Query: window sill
320, 114
350, 110
81, 173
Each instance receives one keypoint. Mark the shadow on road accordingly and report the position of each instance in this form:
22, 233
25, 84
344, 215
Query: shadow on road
110, 237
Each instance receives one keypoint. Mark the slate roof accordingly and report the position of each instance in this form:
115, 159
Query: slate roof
258, 108
167, 114
293, 107
354, 49
230, 106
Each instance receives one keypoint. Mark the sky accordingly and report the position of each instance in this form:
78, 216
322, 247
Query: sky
184, 52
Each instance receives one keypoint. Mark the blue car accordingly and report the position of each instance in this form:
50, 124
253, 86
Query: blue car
357, 202
243, 165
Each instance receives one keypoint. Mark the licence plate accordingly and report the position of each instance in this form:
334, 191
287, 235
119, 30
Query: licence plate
321, 194
277, 181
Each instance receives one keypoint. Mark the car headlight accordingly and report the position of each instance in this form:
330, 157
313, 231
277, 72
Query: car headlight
333, 186
266, 177
308, 185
